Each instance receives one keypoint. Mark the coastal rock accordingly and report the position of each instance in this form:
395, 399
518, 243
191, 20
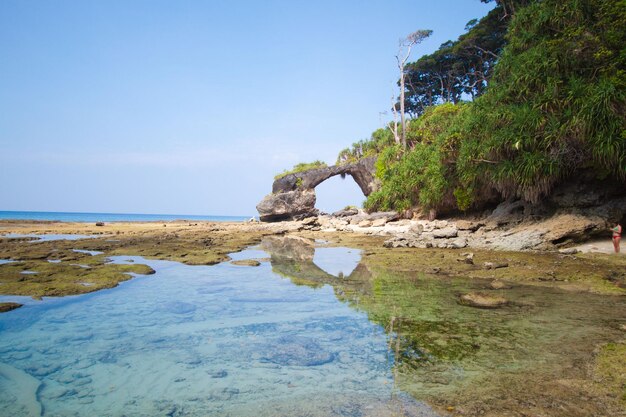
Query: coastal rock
388, 216
287, 205
362, 171
346, 212
482, 300
446, 232
293, 195
379, 222
458, 243
4, 307
246, 262
495, 265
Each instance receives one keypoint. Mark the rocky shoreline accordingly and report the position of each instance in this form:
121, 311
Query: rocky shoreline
507, 228
576, 211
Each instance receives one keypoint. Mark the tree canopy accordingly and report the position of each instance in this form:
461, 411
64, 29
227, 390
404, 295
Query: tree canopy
545, 86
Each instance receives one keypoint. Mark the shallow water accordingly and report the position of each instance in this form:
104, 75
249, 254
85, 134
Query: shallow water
48, 237
311, 332
198, 341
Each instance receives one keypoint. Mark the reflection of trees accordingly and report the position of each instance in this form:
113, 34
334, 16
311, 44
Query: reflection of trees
442, 350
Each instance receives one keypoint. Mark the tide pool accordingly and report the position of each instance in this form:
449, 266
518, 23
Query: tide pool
201, 341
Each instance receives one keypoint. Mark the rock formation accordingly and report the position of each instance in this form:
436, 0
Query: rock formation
293, 195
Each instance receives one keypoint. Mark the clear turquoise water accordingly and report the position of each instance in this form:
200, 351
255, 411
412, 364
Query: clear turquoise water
219, 340
111, 217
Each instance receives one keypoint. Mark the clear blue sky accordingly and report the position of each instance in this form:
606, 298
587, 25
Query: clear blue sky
191, 107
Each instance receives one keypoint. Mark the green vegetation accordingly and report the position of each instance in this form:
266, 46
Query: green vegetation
548, 83
380, 139
303, 166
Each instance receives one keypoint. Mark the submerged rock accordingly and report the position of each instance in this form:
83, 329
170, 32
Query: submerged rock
482, 300
4, 307
296, 351
246, 262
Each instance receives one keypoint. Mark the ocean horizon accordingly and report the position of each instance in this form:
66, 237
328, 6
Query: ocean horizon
111, 217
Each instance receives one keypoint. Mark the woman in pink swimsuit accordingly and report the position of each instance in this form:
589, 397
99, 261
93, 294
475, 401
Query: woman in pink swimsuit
617, 236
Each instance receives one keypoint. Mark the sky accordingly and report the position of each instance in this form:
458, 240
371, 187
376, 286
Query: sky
192, 107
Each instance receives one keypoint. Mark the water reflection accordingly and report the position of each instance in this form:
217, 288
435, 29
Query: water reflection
530, 351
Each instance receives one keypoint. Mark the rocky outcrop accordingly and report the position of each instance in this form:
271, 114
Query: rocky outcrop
293, 195
289, 205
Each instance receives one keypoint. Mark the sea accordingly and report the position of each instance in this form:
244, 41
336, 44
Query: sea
112, 217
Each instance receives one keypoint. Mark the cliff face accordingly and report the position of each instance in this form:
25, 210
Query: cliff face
293, 196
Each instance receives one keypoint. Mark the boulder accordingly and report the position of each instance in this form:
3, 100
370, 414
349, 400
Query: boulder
446, 232
379, 222
387, 215
346, 212
287, 205
495, 265
458, 243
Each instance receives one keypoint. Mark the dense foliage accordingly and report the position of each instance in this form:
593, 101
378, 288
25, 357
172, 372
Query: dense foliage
554, 105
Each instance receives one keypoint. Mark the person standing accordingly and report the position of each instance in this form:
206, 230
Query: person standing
617, 236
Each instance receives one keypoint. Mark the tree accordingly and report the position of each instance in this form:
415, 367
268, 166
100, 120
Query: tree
404, 51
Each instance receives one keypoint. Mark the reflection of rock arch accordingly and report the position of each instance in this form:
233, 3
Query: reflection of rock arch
293, 196
292, 257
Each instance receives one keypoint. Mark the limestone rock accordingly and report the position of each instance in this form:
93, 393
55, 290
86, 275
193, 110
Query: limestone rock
363, 172
379, 222
293, 195
346, 212
458, 243
287, 205
446, 232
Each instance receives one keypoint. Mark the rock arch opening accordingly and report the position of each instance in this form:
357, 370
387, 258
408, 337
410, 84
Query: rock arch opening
337, 193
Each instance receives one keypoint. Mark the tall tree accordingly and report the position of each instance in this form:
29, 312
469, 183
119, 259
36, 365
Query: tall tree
404, 52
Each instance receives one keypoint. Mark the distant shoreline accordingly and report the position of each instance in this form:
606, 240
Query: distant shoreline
79, 217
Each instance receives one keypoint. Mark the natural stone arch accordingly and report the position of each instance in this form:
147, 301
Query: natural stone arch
293, 196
